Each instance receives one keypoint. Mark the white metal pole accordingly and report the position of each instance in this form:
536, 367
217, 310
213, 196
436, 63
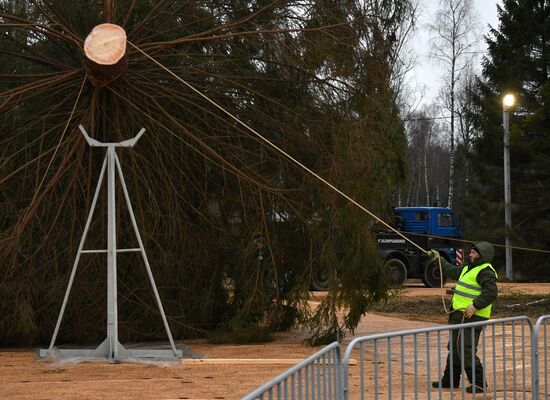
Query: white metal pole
507, 192
112, 317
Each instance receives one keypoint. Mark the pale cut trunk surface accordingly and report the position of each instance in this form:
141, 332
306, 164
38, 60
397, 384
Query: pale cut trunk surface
105, 51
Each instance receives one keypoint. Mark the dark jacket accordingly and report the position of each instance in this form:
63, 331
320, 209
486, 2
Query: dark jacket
486, 278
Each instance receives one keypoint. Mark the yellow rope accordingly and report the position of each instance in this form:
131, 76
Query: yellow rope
272, 145
442, 285
531, 249
318, 177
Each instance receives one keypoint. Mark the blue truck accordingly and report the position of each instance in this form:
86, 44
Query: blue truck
430, 228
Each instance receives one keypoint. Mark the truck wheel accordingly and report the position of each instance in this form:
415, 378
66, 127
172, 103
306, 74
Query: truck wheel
321, 280
431, 276
396, 271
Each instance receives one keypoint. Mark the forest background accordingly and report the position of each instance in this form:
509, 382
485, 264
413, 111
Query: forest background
233, 229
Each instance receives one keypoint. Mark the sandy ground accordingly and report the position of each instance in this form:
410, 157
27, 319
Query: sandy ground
227, 372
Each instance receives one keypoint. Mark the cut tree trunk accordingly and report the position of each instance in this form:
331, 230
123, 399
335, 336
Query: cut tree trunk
105, 51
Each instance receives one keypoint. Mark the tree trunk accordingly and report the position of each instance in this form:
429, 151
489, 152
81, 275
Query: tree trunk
107, 10
452, 149
105, 51
417, 185
426, 184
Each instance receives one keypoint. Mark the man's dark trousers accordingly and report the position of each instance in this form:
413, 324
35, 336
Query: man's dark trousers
463, 337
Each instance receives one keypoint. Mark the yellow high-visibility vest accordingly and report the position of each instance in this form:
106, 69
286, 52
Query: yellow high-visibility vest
467, 289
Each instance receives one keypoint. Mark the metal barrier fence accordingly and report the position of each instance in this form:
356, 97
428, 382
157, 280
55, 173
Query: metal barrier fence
404, 364
540, 348
513, 352
317, 377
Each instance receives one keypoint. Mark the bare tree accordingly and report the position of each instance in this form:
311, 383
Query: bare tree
424, 150
455, 36
403, 59
465, 111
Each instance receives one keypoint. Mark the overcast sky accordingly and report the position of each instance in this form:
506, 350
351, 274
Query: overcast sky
427, 72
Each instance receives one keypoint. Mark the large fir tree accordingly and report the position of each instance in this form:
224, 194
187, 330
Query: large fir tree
312, 77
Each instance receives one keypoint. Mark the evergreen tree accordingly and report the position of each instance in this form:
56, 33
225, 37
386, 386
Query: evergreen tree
518, 62
232, 228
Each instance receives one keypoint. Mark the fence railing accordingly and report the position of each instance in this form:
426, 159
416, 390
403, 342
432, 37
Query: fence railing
402, 365
317, 377
540, 356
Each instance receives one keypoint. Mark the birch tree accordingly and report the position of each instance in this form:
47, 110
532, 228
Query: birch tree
454, 40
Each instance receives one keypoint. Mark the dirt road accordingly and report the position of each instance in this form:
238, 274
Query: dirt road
227, 372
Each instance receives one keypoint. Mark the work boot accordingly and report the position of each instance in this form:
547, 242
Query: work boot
445, 383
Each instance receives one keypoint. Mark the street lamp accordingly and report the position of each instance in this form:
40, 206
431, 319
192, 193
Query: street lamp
507, 103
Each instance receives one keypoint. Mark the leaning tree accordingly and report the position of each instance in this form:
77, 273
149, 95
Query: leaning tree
233, 229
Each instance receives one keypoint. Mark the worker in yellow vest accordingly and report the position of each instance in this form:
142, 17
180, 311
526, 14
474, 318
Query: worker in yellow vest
474, 294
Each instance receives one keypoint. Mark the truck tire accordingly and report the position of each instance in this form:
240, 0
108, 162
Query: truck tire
321, 280
396, 271
431, 277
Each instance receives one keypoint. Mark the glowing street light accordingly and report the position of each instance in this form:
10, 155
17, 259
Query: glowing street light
507, 103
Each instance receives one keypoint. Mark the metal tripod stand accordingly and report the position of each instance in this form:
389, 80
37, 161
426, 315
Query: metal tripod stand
111, 349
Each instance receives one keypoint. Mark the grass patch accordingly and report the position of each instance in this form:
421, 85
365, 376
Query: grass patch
431, 308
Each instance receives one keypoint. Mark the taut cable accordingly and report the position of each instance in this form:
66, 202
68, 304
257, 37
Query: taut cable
278, 149
309, 171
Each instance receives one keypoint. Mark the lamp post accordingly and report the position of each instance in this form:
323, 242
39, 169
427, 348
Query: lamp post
507, 103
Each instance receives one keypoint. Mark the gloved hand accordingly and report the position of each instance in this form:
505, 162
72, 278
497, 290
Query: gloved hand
433, 254
470, 310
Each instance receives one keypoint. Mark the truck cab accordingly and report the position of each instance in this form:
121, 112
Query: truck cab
438, 221
428, 227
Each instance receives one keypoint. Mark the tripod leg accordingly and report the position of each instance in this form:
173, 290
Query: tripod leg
147, 266
77, 258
